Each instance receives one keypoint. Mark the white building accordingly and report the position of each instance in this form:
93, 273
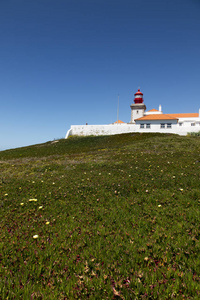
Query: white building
142, 121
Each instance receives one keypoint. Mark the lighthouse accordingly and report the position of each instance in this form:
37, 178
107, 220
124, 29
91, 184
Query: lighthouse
138, 107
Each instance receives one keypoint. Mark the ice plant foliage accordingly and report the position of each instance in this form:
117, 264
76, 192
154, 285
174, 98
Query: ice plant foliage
120, 222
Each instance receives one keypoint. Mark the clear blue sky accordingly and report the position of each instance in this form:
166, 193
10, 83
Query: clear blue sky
64, 62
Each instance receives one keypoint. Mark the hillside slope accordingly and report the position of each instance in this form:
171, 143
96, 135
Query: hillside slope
101, 218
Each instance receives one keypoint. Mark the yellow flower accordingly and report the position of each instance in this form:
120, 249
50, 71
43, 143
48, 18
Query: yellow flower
40, 207
6, 194
21, 203
47, 223
36, 236
159, 205
30, 200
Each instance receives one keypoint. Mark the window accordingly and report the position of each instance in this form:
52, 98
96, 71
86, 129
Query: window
148, 125
169, 125
141, 125
192, 124
137, 111
162, 125
180, 124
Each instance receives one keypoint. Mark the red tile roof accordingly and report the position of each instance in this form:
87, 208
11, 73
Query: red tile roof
187, 115
157, 117
153, 110
119, 122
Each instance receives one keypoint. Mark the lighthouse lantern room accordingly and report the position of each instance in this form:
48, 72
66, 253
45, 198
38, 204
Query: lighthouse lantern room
138, 108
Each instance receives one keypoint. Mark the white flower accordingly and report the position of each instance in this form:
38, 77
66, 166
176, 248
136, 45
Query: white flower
40, 207
36, 236
159, 205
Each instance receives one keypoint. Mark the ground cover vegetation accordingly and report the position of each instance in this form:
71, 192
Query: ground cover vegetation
111, 217
194, 133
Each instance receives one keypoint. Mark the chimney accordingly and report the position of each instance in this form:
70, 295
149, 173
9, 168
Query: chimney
160, 108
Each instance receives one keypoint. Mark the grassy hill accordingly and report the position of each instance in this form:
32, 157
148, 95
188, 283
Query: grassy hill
111, 217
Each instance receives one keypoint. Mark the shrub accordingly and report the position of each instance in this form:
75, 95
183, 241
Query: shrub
193, 133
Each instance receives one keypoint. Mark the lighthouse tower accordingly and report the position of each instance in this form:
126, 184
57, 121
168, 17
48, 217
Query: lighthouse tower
138, 108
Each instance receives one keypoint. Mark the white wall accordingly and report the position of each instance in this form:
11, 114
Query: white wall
85, 130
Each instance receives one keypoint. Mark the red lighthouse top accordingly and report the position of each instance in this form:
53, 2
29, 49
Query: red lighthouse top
138, 97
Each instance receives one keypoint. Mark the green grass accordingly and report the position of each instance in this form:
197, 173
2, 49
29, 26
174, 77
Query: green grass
117, 217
